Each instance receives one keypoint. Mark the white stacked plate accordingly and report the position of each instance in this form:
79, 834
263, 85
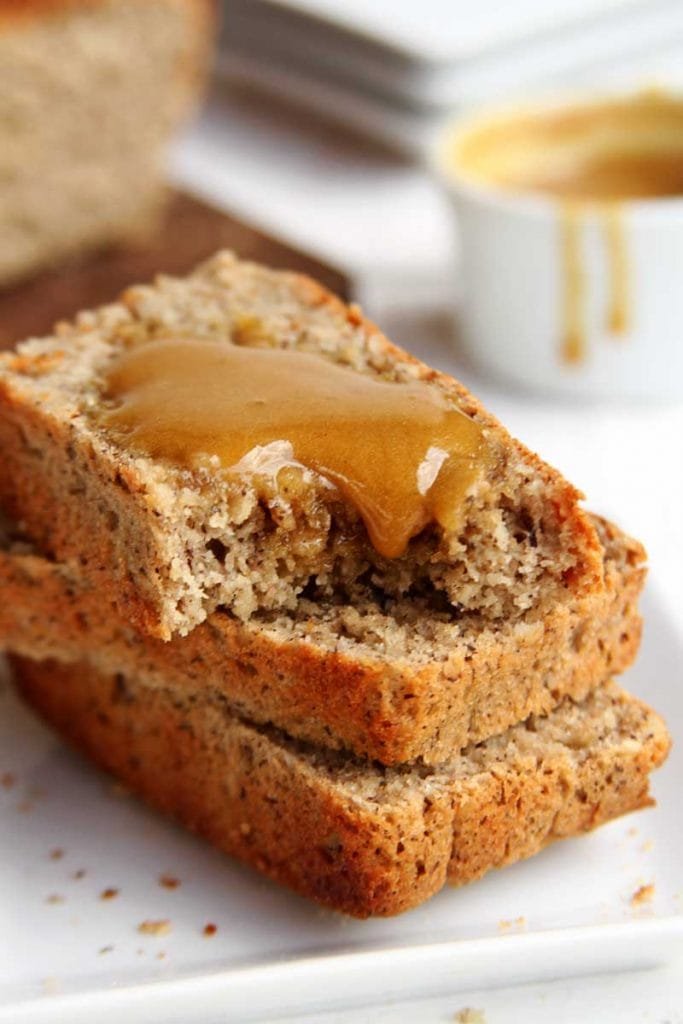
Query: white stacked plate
394, 68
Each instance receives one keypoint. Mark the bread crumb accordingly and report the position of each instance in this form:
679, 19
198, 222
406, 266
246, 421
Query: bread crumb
209, 929
57, 853
643, 894
161, 955
633, 831
77, 875
25, 806
168, 881
54, 898
156, 928
647, 846
7, 780
106, 949
109, 894
468, 1015
51, 985
517, 922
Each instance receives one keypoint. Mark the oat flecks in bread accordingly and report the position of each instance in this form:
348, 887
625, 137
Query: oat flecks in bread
390, 685
172, 545
355, 836
90, 93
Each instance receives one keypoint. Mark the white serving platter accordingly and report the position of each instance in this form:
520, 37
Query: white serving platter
66, 954
434, 31
419, 59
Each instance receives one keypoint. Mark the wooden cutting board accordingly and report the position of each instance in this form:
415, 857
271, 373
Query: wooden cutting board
191, 232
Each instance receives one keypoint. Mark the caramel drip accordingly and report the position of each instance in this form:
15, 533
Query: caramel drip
618, 310
402, 454
572, 216
574, 285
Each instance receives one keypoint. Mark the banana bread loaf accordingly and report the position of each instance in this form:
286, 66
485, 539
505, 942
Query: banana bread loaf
90, 94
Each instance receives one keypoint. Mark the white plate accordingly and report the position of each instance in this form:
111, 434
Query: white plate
434, 31
566, 911
411, 129
484, 58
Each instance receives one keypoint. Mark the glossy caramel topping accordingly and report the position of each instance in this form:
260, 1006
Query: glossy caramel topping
625, 148
603, 176
401, 453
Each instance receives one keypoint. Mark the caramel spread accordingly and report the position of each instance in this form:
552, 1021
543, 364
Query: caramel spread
614, 149
592, 159
401, 453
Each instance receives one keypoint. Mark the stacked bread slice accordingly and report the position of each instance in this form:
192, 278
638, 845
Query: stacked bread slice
362, 728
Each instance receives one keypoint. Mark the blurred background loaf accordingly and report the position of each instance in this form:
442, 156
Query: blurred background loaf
90, 93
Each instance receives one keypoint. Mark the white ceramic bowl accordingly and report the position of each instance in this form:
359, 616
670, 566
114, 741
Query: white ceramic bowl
513, 297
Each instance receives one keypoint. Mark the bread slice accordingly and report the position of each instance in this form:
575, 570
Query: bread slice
386, 684
170, 544
90, 93
352, 835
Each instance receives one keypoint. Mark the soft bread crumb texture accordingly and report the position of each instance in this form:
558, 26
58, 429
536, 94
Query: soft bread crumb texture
393, 684
354, 835
172, 545
90, 93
